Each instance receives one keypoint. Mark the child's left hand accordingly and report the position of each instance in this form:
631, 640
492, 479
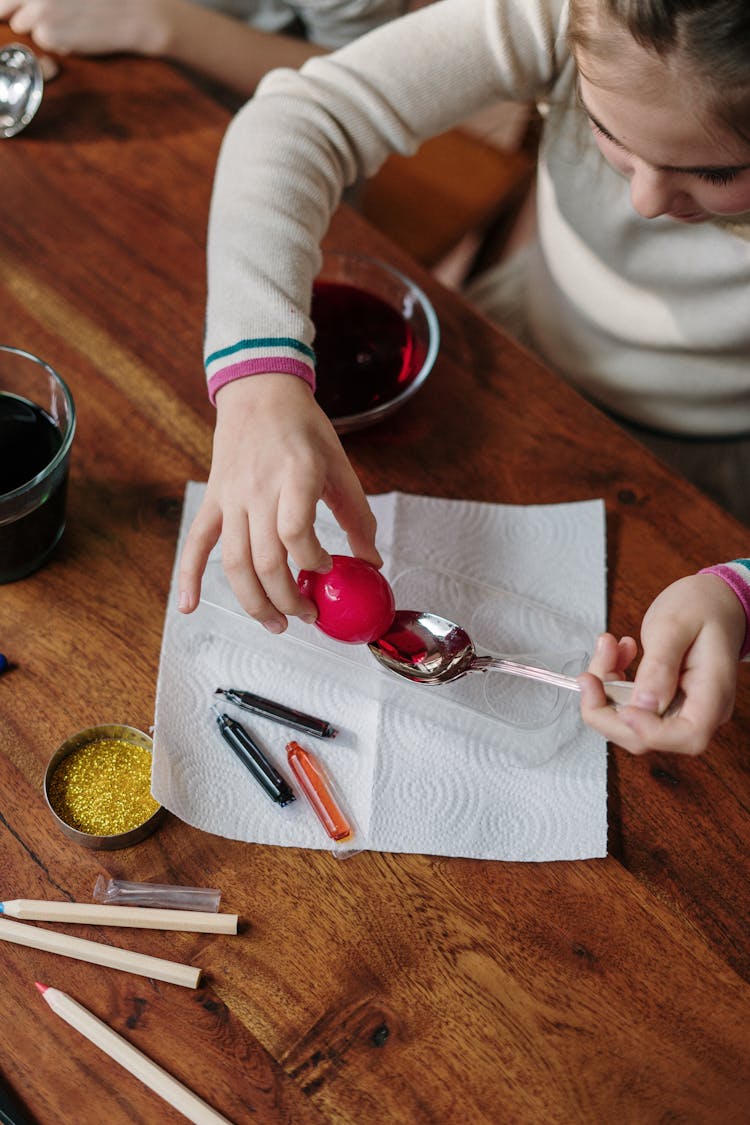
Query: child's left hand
691, 636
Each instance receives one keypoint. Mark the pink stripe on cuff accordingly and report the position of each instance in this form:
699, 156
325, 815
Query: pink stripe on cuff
741, 589
285, 365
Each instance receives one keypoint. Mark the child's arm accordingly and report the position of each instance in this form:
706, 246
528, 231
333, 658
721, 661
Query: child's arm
693, 635
222, 48
285, 160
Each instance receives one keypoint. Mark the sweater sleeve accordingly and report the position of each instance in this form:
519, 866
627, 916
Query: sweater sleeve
307, 134
737, 575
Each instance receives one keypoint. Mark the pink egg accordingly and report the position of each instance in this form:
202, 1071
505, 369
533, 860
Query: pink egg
355, 603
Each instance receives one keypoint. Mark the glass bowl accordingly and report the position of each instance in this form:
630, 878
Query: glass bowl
377, 338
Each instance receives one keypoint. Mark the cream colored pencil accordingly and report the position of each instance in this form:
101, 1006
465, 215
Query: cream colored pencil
99, 954
149, 1073
144, 917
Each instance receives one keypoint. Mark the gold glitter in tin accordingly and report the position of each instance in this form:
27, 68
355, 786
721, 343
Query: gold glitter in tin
104, 787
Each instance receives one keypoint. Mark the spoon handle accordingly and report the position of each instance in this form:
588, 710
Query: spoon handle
618, 692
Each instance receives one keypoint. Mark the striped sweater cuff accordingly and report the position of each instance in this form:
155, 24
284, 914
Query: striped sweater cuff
737, 575
259, 357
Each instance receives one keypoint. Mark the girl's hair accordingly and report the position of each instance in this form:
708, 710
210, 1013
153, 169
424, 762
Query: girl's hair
712, 37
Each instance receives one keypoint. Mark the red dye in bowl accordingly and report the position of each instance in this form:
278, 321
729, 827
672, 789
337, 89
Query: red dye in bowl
366, 353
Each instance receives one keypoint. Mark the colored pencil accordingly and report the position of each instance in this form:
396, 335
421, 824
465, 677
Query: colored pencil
99, 954
129, 1057
143, 917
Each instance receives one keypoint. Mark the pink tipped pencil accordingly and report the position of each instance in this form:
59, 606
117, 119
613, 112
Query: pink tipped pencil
140, 1065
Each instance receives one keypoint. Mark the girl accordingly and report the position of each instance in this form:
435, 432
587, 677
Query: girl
636, 289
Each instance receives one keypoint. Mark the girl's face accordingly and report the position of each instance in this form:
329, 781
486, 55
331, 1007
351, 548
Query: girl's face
650, 126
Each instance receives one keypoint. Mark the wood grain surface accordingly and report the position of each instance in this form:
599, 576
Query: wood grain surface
388, 988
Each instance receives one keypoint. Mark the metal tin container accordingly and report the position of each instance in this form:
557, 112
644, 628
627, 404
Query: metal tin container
77, 741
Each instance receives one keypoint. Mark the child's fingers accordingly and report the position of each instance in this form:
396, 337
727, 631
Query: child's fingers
664, 653
201, 538
602, 717
611, 657
271, 570
613, 722
592, 693
23, 19
628, 648
30, 17
637, 730
239, 567
296, 527
676, 735
348, 504
633, 730
49, 68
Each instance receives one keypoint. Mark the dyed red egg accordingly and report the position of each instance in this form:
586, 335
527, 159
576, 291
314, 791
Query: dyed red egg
355, 603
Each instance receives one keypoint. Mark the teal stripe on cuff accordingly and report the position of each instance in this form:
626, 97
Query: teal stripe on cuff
262, 342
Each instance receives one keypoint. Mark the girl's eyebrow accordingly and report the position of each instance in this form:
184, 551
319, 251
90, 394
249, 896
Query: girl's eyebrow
717, 170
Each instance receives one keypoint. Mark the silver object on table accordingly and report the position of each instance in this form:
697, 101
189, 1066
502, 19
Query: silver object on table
428, 649
21, 88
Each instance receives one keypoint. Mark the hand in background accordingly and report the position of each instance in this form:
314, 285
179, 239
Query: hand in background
691, 634
90, 27
222, 48
275, 455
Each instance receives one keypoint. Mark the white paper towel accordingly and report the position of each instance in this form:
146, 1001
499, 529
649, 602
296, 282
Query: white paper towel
490, 766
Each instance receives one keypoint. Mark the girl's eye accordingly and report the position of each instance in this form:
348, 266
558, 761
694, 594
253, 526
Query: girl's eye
603, 133
719, 177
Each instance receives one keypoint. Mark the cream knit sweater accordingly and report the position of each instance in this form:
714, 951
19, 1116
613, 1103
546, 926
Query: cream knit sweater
651, 319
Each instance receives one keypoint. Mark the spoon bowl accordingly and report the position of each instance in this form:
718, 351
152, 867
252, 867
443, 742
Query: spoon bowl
428, 649
21, 88
424, 648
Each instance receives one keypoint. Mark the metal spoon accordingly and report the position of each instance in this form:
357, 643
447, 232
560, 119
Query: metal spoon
21, 88
428, 649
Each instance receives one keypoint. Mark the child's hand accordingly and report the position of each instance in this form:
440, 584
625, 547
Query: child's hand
275, 455
90, 27
692, 635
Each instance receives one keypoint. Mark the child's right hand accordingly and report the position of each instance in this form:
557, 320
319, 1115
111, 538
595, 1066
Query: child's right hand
275, 455
692, 634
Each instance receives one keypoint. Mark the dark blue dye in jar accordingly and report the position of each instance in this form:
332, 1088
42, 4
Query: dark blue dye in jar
29, 442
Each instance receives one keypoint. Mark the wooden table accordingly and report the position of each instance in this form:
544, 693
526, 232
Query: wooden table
392, 988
